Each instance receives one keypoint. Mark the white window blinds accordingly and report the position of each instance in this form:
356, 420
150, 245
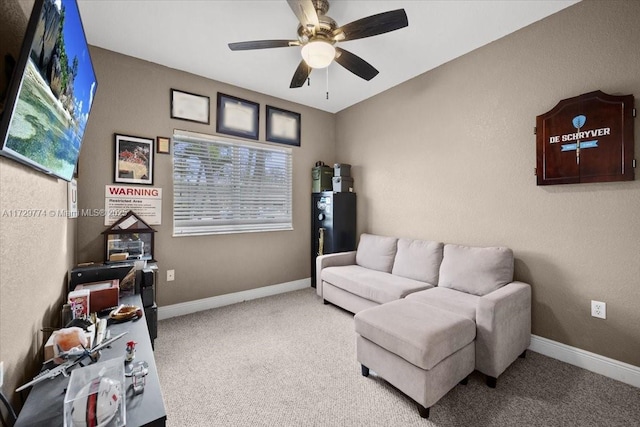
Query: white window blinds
228, 186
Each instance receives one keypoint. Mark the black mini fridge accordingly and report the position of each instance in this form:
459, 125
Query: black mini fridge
333, 225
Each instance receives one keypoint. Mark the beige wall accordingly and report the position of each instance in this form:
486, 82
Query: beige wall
133, 99
35, 252
450, 156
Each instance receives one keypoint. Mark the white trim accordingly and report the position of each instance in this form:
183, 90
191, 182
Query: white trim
183, 308
602, 365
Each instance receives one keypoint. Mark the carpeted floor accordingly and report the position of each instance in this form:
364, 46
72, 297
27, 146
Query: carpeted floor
289, 360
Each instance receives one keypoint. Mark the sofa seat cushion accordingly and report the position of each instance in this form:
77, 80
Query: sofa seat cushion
458, 302
376, 252
420, 334
418, 260
371, 284
476, 270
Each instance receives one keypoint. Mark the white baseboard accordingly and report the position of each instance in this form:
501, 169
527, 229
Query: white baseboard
183, 308
602, 365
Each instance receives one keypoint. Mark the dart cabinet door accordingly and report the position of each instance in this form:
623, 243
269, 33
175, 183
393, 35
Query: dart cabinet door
588, 138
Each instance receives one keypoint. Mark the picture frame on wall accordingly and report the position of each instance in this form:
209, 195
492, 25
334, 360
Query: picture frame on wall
237, 116
283, 126
190, 106
163, 145
133, 159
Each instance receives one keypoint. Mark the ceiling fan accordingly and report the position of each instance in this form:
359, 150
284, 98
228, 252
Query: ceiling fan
318, 35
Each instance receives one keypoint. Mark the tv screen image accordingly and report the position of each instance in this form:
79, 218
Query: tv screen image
51, 92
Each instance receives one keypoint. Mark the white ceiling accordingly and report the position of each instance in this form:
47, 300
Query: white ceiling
192, 35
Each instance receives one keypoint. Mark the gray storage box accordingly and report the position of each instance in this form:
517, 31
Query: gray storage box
341, 169
342, 184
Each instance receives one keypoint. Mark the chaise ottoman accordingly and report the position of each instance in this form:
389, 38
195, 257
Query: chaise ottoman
420, 349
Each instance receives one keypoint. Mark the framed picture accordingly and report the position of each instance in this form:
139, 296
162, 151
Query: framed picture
237, 117
133, 160
283, 126
189, 106
163, 145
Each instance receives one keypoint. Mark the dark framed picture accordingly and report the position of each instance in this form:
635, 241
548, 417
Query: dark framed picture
133, 160
189, 106
237, 117
163, 145
283, 126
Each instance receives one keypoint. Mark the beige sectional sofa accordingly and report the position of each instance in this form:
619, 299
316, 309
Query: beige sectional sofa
383, 269
473, 282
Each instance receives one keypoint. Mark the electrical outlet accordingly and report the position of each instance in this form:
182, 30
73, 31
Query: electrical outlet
171, 275
1, 373
599, 309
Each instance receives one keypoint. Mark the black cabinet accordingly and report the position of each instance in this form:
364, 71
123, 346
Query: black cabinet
333, 225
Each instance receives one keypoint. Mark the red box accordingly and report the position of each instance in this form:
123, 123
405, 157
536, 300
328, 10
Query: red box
103, 295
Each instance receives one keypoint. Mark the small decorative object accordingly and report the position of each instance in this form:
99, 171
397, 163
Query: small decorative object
79, 301
138, 371
283, 126
131, 351
237, 117
129, 235
128, 282
125, 312
588, 138
163, 145
133, 160
189, 106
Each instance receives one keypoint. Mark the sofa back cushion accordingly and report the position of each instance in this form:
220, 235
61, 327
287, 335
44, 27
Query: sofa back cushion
474, 270
418, 260
376, 252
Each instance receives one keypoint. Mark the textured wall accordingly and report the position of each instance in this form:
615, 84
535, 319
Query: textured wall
35, 252
450, 156
133, 99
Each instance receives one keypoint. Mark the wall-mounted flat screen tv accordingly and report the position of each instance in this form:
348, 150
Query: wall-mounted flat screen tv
51, 91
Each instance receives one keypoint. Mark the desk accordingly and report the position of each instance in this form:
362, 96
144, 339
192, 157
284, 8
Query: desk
44, 406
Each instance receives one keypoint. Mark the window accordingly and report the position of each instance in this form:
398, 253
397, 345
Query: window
225, 186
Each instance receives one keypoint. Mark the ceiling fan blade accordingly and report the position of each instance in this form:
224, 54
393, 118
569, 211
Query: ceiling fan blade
305, 11
355, 64
262, 44
301, 75
372, 25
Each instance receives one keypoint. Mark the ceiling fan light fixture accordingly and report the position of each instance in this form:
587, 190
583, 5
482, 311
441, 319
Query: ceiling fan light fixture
318, 53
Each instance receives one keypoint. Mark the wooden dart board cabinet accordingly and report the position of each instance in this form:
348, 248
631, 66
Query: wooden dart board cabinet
588, 138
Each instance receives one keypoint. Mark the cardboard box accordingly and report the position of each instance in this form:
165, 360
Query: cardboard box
104, 294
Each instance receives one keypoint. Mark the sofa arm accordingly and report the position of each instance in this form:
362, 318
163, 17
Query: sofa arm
503, 320
332, 260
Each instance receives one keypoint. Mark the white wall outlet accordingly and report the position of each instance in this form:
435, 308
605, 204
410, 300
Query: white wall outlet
599, 309
171, 275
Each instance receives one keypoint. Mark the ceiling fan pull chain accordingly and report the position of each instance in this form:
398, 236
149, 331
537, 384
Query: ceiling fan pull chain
327, 82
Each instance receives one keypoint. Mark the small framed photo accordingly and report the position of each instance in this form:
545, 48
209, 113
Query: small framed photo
163, 145
133, 160
189, 106
283, 126
237, 117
